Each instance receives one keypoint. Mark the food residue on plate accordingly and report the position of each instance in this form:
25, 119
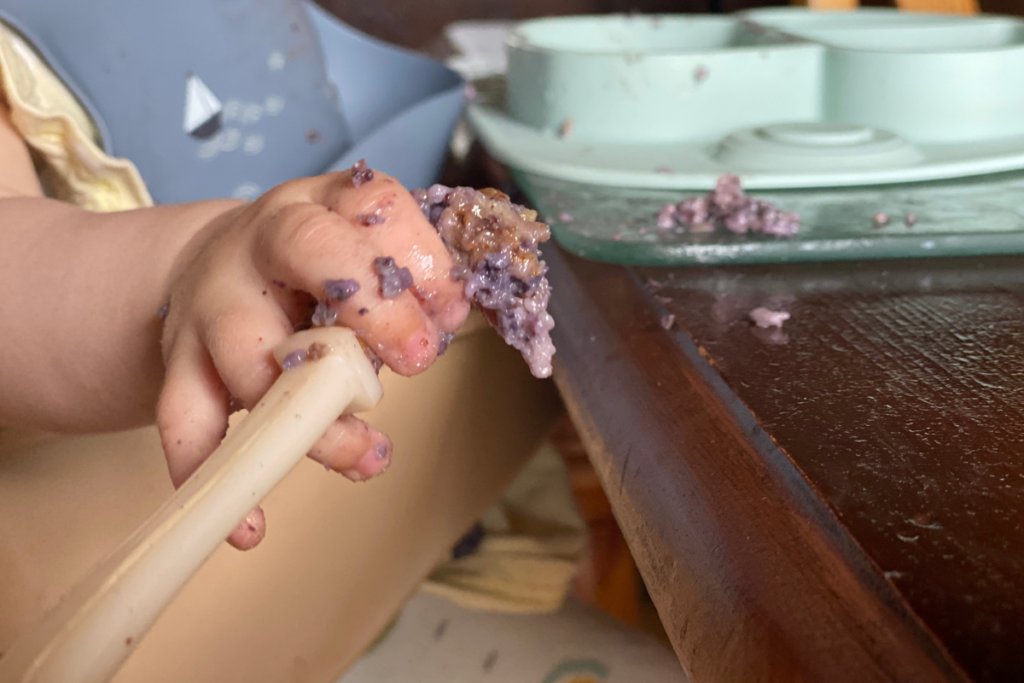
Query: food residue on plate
727, 206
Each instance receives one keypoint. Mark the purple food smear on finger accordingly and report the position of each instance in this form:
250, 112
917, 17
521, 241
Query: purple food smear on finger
361, 174
393, 279
341, 290
324, 315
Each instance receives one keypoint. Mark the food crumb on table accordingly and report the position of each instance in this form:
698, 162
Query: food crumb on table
765, 318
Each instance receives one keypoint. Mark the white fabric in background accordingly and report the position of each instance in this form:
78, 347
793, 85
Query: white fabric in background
435, 641
481, 48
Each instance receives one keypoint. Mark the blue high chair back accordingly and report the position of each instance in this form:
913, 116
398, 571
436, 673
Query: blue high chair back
228, 98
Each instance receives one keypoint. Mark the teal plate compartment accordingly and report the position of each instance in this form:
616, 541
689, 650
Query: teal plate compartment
786, 98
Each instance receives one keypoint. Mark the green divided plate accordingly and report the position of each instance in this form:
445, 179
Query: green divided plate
786, 98
837, 116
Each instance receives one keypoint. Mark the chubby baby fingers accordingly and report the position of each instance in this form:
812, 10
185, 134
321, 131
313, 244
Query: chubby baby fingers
353, 448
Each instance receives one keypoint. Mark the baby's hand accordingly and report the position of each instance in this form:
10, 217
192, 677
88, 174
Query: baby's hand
251, 277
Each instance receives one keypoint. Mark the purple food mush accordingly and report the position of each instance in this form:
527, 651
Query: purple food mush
765, 318
324, 315
341, 290
312, 354
393, 279
361, 174
728, 207
294, 359
494, 244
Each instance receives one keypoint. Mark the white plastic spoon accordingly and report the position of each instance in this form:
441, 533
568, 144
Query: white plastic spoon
92, 631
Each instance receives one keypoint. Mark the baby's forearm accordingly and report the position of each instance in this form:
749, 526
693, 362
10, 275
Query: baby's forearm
79, 295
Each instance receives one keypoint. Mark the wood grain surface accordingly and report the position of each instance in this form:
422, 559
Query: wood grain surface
897, 390
755, 576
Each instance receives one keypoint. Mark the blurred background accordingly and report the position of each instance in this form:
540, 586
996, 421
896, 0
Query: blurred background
419, 25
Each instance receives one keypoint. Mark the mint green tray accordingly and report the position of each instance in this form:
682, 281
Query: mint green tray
785, 98
969, 217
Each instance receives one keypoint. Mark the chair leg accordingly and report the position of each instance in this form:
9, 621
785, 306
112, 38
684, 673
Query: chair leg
608, 578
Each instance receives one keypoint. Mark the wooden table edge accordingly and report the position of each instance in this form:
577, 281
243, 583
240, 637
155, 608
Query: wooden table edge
753, 575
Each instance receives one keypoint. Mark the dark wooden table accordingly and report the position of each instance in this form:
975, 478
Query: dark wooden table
840, 500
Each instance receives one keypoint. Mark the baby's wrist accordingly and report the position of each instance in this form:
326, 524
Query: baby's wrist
197, 225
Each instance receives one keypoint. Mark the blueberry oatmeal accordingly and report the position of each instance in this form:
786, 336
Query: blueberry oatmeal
728, 207
495, 246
